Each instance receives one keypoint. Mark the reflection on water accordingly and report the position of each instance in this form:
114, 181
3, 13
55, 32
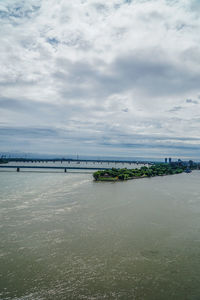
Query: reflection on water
64, 236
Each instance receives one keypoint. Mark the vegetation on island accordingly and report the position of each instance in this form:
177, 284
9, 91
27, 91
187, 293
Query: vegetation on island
126, 174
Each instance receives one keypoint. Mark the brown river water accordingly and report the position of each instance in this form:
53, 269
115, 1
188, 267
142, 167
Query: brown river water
64, 236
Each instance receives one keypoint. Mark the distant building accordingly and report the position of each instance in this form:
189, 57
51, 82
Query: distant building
166, 160
170, 160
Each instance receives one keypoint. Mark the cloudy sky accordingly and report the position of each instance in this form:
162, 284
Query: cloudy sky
100, 77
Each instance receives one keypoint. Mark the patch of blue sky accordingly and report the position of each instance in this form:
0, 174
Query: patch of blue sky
18, 9
53, 41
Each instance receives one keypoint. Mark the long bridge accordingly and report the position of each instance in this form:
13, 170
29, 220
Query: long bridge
18, 167
61, 160
63, 164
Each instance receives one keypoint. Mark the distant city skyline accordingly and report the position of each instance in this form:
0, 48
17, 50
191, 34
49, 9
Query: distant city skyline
102, 78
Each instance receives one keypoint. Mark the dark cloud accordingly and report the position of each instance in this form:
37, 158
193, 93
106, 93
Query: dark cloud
191, 101
195, 5
144, 72
25, 105
154, 74
176, 108
153, 145
64, 136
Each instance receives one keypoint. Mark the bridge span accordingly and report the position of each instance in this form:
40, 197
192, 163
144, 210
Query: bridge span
18, 167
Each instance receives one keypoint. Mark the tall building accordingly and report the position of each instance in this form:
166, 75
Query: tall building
170, 160
166, 160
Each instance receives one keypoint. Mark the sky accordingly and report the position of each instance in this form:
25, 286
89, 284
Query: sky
99, 77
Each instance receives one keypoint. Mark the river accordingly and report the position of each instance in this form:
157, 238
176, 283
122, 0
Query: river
64, 236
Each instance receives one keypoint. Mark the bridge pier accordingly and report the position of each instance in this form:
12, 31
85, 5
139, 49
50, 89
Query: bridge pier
18, 169
65, 170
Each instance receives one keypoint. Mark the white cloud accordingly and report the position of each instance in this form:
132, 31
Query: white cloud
102, 74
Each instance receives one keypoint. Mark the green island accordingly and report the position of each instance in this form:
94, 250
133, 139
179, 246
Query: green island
127, 174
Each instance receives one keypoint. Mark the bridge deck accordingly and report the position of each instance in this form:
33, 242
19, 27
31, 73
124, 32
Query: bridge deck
52, 167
